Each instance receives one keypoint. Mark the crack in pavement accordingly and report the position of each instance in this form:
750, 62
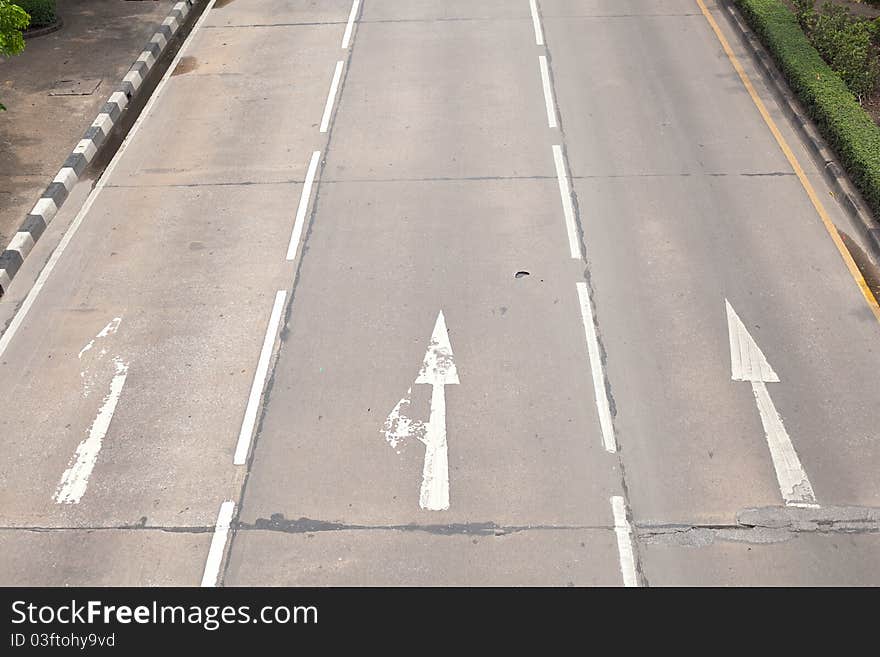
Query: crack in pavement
753, 525
286, 24
337, 181
767, 525
279, 523
110, 528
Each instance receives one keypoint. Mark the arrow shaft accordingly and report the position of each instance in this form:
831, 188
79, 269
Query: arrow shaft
435, 474
793, 482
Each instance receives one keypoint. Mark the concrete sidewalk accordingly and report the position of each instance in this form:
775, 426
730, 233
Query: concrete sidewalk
93, 50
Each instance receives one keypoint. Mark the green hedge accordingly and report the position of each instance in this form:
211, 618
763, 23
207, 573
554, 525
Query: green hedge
843, 122
42, 12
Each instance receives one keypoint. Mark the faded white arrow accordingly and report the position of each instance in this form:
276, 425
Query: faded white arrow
748, 363
438, 370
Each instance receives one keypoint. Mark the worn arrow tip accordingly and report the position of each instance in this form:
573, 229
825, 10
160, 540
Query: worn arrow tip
439, 364
747, 361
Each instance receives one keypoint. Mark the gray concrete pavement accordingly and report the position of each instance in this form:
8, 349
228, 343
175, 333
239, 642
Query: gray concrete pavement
437, 190
96, 45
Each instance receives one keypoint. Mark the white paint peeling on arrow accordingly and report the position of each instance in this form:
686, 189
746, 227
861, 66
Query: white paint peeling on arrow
439, 365
110, 329
438, 370
75, 479
399, 426
793, 482
93, 359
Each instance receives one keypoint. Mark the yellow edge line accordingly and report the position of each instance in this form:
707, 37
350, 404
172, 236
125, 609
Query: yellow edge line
792, 160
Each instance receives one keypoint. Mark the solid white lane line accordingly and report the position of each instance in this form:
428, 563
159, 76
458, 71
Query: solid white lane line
218, 545
334, 87
26, 305
624, 542
346, 38
536, 21
602, 404
567, 208
794, 485
250, 415
75, 479
303, 205
548, 91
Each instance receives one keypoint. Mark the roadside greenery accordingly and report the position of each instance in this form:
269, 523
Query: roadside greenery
850, 45
13, 20
844, 123
42, 12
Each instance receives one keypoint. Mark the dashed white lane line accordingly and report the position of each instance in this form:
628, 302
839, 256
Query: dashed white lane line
346, 38
623, 530
246, 434
602, 404
536, 21
567, 207
75, 479
331, 97
31, 297
548, 91
218, 544
303, 205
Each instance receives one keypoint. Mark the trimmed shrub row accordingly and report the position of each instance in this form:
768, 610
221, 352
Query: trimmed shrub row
844, 123
42, 12
845, 42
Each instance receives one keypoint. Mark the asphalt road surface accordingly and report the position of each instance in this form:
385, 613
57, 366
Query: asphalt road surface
409, 292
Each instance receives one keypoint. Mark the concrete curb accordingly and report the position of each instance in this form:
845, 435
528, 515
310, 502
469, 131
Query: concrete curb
56, 193
41, 31
845, 192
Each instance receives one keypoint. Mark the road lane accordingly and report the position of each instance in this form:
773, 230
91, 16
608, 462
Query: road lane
581, 222
379, 557
670, 157
185, 244
807, 560
439, 187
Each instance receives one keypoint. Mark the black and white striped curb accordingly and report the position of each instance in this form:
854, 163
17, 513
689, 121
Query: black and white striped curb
56, 193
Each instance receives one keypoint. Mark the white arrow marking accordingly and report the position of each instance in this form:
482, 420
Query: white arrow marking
110, 329
748, 363
75, 479
438, 370
399, 426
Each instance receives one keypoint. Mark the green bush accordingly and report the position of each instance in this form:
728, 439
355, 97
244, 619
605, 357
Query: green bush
844, 123
42, 12
12, 21
848, 44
